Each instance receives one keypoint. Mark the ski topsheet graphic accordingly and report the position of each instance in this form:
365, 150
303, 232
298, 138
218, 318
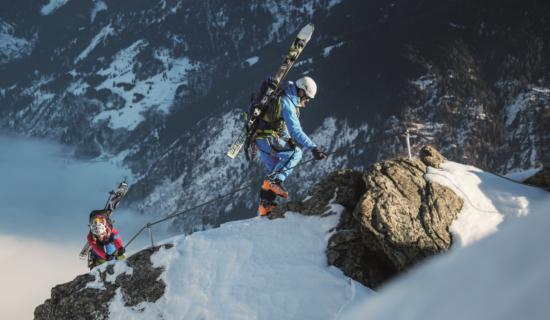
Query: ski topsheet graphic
296, 48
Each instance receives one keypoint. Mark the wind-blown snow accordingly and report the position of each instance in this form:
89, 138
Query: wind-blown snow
52, 6
250, 269
504, 276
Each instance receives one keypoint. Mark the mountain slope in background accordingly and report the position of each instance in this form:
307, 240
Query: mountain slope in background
160, 87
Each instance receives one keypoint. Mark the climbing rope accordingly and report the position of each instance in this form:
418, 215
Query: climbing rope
464, 194
227, 195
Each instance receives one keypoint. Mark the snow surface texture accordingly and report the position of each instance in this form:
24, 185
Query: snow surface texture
504, 276
12, 47
52, 6
250, 269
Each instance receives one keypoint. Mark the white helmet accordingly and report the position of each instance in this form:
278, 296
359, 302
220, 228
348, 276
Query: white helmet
308, 85
98, 228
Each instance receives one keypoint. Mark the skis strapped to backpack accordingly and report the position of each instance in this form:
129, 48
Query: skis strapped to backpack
112, 202
259, 105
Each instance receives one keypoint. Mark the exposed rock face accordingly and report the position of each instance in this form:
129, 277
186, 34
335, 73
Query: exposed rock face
431, 157
392, 217
402, 215
541, 179
88, 296
344, 187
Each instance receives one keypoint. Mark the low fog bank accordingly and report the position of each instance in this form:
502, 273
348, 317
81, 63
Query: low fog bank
45, 199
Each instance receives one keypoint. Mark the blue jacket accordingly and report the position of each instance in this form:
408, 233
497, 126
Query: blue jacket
290, 102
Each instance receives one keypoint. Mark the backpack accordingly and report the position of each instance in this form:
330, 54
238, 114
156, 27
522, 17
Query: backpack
269, 122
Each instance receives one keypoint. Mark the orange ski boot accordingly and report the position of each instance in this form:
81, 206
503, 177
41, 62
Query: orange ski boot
275, 187
265, 208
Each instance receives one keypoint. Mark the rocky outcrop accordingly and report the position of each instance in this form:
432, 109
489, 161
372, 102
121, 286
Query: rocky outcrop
402, 215
392, 216
344, 187
431, 157
541, 178
88, 296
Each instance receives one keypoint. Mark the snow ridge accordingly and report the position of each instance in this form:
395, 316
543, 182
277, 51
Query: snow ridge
250, 269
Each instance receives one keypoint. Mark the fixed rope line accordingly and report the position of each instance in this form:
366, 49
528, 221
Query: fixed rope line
150, 224
463, 193
232, 193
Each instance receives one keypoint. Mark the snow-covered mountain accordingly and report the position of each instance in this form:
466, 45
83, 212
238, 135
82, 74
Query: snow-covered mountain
277, 269
160, 86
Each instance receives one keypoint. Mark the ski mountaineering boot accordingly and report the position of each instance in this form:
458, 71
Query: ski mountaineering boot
266, 207
275, 187
267, 202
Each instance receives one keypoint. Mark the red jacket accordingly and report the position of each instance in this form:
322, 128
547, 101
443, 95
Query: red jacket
99, 245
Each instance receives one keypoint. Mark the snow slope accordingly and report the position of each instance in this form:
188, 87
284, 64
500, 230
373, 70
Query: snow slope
251, 269
504, 276
277, 269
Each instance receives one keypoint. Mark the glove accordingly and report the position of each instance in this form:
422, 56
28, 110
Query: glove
291, 143
121, 251
109, 257
318, 153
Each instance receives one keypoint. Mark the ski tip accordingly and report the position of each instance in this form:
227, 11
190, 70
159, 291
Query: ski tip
306, 32
231, 155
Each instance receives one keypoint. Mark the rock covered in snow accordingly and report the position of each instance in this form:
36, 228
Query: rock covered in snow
88, 296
